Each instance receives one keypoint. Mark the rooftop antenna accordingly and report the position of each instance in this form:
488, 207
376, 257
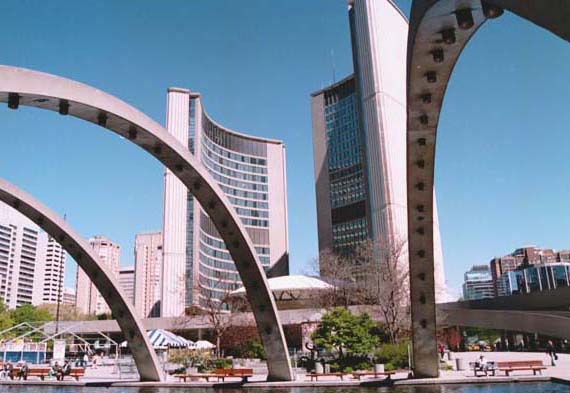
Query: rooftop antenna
333, 67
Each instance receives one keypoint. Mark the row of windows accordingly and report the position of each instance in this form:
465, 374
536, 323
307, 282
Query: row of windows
248, 203
218, 284
347, 191
235, 183
218, 243
212, 150
206, 260
215, 253
255, 222
234, 174
350, 233
252, 213
223, 140
209, 272
242, 193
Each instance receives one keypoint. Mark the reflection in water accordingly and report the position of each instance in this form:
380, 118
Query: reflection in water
544, 387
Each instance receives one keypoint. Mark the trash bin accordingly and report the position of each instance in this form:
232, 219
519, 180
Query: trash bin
319, 368
459, 364
378, 368
327, 368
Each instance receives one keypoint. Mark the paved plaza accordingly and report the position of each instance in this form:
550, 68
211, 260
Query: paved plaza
109, 376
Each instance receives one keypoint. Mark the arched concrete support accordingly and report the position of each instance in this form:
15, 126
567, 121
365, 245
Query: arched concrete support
26, 87
438, 32
143, 353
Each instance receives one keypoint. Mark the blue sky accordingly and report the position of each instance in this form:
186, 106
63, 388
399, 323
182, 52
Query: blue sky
502, 172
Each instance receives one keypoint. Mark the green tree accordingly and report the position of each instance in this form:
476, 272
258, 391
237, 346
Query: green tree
345, 333
5, 320
30, 314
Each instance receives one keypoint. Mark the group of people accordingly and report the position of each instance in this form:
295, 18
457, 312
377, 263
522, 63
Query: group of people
59, 372
22, 370
8, 370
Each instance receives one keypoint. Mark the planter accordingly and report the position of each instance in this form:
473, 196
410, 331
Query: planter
379, 368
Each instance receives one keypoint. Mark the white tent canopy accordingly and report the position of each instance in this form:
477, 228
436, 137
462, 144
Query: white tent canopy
160, 338
292, 287
203, 344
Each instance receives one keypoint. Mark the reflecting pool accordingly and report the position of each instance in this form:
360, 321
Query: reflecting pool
522, 387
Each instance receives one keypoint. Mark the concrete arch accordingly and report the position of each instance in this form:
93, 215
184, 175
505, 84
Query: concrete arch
20, 86
439, 30
143, 353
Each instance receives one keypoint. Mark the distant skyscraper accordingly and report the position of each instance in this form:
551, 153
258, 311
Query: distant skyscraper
54, 272
359, 140
88, 299
148, 273
251, 171
478, 283
69, 296
32, 264
127, 282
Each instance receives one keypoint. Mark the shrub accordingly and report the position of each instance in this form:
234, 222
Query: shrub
219, 363
346, 334
352, 363
393, 356
250, 350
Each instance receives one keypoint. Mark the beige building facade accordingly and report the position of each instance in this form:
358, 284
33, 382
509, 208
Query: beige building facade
88, 299
148, 274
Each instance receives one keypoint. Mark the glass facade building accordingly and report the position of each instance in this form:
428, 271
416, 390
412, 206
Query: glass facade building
478, 283
341, 186
543, 277
359, 141
251, 172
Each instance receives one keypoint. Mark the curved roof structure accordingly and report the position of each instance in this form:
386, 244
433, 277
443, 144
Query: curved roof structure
295, 283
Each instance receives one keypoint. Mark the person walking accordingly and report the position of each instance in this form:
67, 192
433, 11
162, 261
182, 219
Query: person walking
551, 351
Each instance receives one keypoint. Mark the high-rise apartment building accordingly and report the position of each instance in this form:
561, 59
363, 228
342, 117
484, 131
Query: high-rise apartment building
478, 283
32, 264
88, 299
197, 267
54, 272
127, 282
359, 140
148, 273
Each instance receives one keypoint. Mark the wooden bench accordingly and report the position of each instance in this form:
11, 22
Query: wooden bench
243, 373
359, 374
521, 365
40, 372
206, 376
316, 376
76, 373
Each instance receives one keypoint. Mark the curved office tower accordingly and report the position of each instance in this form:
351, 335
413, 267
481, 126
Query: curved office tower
197, 268
359, 137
